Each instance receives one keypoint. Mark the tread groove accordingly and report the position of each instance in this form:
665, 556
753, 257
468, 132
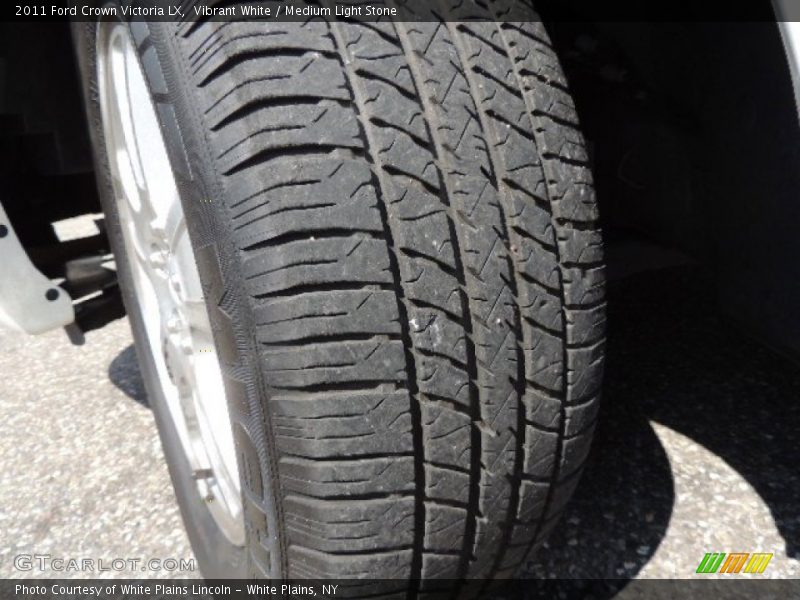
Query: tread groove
374, 158
498, 166
472, 369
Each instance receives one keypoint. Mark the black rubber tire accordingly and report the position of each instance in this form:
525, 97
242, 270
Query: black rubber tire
398, 235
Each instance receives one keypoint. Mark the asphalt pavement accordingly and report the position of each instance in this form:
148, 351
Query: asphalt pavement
697, 451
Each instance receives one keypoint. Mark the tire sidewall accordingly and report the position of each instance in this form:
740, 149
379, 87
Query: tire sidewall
216, 556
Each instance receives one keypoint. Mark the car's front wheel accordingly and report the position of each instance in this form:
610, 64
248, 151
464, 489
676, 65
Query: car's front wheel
365, 279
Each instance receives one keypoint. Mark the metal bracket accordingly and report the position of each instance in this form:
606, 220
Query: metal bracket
29, 301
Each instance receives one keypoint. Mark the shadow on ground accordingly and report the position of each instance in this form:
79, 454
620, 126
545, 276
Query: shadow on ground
674, 359
124, 373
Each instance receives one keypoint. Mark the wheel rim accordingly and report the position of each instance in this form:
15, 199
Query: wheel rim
165, 278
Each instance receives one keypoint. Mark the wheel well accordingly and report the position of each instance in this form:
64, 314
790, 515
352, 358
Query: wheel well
46, 172
46, 167
694, 136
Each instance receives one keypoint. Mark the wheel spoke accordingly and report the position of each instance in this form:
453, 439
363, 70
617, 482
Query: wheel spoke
138, 247
125, 148
197, 319
173, 223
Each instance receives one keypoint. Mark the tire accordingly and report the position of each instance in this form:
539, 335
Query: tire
397, 234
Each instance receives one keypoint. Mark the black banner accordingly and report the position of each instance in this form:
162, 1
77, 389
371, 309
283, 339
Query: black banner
728, 587
405, 10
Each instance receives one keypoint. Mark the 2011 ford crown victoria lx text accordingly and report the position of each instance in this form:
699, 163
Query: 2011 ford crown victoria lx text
362, 258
